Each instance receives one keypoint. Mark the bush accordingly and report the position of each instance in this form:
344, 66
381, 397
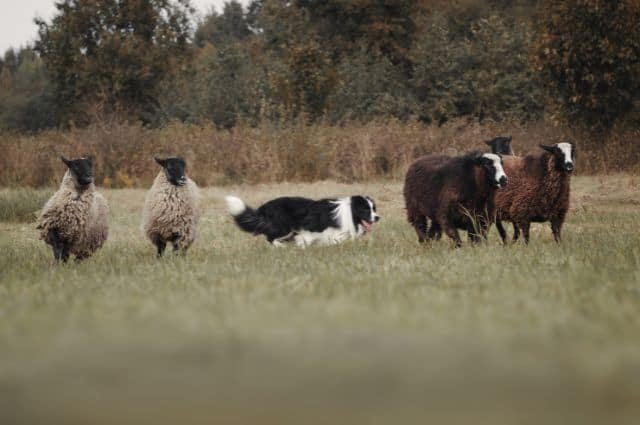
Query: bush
269, 153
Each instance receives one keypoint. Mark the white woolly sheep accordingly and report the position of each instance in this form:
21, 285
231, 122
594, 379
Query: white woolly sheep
171, 210
75, 219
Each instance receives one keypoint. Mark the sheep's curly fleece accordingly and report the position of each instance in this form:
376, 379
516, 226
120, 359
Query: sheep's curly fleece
80, 218
170, 210
536, 190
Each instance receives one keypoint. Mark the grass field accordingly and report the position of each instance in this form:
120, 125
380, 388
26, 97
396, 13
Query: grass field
378, 331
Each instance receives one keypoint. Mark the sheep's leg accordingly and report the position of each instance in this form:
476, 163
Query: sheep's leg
473, 236
81, 257
161, 245
419, 223
175, 242
485, 223
525, 231
450, 231
502, 231
556, 228
516, 232
56, 244
435, 232
60, 248
64, 255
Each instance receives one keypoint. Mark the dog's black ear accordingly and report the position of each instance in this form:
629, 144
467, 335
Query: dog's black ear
510, 138
489, 142
65, 160
548, 148
161, 162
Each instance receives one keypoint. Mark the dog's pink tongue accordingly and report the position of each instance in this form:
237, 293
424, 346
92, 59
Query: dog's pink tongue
367, 226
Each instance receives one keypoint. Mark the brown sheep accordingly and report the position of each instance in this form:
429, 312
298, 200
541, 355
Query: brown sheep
539, 187
501, 145
454, 193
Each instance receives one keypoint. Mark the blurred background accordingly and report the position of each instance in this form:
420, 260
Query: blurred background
549, 68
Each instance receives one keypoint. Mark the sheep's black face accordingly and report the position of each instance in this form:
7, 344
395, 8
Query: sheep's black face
492, 165
500, 145
82, 170
174, 170
564, 155
364, 212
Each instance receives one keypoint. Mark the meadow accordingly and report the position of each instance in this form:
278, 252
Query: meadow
382, 330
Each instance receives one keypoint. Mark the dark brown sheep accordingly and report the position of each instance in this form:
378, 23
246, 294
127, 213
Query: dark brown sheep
454, 193
501, 145
538, 191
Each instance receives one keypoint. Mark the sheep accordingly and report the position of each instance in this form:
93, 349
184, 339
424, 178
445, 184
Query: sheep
75, 219
453, 193
171, 211
538, 192
501, 145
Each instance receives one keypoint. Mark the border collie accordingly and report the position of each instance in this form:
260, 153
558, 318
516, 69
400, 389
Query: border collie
305, 221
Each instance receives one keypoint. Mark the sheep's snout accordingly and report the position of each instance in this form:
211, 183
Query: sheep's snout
503, 181
568, 166
85, 181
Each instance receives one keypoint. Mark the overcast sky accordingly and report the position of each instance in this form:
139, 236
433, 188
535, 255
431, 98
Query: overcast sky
16, 18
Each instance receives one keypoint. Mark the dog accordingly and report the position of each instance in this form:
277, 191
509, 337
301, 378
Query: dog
306, 221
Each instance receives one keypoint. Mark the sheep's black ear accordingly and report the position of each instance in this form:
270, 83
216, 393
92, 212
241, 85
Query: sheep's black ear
477, 158
161, 162
91, 159
65, 160
548, 148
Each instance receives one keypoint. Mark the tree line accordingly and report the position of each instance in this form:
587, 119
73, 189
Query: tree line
334, 61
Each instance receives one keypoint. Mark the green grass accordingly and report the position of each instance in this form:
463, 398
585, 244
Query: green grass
378, 331
22, 204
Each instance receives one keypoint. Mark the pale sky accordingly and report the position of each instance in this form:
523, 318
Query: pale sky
16, 18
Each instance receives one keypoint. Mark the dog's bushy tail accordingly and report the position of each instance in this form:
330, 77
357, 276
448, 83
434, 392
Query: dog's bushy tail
245, 217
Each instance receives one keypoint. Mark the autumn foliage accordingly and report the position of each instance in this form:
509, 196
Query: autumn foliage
588, 53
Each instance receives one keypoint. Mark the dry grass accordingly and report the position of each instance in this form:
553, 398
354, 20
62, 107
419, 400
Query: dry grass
375, 151
22, 204
379, 331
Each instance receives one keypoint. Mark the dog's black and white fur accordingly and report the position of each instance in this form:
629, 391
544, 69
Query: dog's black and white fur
305, 221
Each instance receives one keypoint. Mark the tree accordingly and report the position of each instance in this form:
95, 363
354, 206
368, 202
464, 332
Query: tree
113, 53
221, 30
588, 53
485, 74
26, 95
369, 87
385, 27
